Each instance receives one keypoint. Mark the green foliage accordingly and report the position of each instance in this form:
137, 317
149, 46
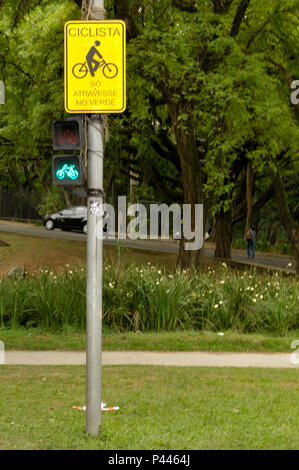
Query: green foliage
147, 299
52, 202
32, 66
186, 72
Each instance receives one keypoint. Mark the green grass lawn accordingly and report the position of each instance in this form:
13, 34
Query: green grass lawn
160, 408
33, 252
37, 339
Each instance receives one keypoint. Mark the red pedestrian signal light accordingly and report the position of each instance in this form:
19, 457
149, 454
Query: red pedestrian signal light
68, 134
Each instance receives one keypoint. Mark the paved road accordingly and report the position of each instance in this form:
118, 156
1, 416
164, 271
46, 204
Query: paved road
263, 259
181, 359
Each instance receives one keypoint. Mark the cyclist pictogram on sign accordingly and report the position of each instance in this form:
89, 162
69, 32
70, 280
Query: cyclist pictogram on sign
81, 70
95, 66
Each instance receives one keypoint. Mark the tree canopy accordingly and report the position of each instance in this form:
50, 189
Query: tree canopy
215, 69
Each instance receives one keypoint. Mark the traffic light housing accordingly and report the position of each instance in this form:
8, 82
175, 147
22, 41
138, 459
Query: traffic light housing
68, 134
67, 170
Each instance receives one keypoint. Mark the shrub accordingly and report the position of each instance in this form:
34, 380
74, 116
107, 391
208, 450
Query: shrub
147, 299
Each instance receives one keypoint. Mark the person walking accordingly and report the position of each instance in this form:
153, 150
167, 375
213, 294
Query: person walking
251, 242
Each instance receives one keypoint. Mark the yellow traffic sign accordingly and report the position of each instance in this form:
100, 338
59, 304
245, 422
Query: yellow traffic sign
95, 66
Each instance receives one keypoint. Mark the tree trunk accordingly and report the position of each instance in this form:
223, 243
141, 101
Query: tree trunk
295, 244
273, 236
290, 225
191, 179
67, 198
223, 228
133, 183
249, 191
240, 212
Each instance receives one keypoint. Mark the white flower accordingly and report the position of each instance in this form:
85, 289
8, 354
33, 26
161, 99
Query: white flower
254, 300
289, 265
221, 282
261, 296
159, 272
111, 285
216, 306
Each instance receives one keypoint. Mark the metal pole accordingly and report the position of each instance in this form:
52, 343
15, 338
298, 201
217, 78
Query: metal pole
94, 268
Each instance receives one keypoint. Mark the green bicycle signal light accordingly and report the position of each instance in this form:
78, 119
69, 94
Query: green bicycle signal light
67, 170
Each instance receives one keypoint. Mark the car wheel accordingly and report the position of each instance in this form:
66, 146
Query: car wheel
84, 229
49, 224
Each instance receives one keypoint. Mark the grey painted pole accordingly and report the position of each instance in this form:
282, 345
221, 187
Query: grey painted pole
94, 262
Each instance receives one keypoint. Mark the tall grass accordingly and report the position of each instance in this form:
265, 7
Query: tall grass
148, 299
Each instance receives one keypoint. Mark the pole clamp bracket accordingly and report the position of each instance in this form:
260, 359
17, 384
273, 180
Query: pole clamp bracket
95, 193
95, 117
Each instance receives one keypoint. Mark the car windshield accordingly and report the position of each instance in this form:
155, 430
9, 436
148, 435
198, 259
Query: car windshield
80, 210
68, 211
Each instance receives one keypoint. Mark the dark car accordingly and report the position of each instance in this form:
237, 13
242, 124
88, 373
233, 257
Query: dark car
72, 218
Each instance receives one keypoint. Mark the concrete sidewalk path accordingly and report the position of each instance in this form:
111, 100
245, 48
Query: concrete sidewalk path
203, 359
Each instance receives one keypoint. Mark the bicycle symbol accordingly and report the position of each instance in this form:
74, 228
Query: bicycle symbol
80, 70
68, 136
68, 171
